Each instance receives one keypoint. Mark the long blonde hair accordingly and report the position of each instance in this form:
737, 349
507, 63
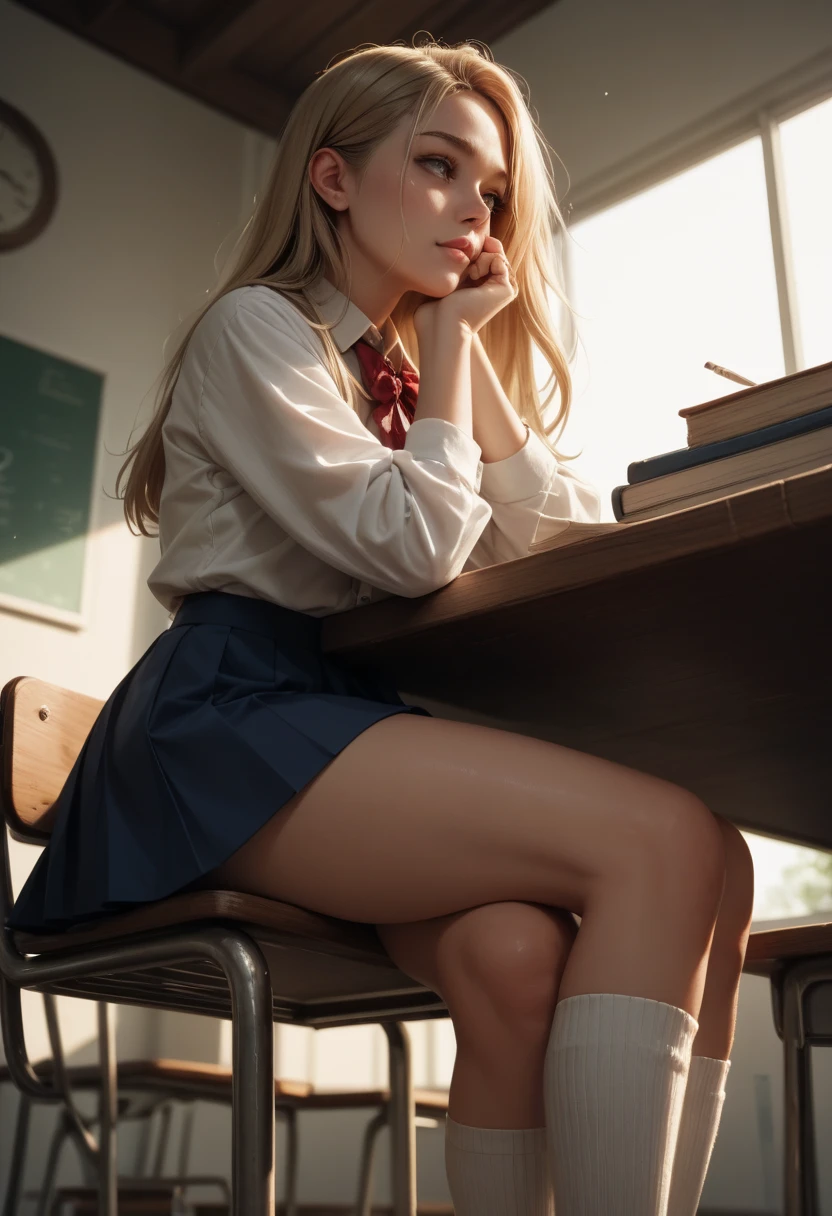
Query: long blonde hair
291, 237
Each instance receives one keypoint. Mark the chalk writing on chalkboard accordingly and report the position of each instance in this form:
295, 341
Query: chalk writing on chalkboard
49, 418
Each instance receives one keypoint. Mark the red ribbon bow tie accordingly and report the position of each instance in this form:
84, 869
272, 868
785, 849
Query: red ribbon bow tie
397, 392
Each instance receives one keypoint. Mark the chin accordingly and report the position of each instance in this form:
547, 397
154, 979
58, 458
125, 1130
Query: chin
450, 282
436, 291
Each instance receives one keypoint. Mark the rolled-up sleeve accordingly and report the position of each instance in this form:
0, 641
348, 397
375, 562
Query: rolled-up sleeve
532, 497
404, 520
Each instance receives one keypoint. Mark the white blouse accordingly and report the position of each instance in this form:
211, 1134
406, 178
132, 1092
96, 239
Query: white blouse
276, 488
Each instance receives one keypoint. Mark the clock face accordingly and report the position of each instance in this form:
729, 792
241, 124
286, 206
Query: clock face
21, 182
27, 179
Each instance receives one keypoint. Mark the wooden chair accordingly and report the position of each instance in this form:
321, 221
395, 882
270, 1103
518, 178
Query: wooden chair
798, 962
218, 953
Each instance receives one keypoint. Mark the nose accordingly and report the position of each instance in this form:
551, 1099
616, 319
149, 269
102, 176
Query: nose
481, 212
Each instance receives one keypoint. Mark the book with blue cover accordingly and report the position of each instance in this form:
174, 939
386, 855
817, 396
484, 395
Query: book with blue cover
685, 458
693, 476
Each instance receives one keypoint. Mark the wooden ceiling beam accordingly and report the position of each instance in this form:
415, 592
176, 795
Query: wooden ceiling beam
93, 12
349, 26
495, 16
222, 41
151, 46
256, 56
243, 97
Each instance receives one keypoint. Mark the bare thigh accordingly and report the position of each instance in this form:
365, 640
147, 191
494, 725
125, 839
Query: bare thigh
420, 817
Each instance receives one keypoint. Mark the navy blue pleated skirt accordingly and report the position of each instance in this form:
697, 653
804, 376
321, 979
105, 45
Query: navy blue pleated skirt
228, 713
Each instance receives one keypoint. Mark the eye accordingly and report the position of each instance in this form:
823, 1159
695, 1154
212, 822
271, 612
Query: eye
499, 201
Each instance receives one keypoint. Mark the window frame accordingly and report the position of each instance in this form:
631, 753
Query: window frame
758, 113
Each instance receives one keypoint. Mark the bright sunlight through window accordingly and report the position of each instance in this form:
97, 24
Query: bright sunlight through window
806, 142
678, 275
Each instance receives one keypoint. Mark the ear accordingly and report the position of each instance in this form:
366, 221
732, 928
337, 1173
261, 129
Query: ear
327, 173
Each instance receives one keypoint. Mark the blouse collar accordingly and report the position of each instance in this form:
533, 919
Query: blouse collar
354, 324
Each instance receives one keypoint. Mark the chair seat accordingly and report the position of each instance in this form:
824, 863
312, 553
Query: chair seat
324, 971
210, 905
770, 949
321, 967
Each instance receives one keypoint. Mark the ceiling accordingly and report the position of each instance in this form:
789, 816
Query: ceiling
252, 60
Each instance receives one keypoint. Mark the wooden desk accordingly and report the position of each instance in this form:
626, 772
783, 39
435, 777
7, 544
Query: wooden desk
695, 646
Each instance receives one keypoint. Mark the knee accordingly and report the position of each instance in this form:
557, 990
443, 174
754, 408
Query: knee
509, 957
737, 907
685, 848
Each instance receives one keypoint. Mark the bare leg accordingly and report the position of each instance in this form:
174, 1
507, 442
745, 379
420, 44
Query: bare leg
718, 1012
498, 969
498, 1070
497, 1078
418, 819
422, 817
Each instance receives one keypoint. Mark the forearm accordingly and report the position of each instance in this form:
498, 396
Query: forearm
496, 426
445, 366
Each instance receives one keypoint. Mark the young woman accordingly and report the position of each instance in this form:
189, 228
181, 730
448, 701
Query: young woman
298, 466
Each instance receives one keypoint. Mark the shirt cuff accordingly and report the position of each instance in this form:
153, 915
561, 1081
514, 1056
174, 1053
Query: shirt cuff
438, 439
521, 475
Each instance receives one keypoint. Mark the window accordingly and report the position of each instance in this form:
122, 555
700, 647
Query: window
681, 274
807, 173
663, 282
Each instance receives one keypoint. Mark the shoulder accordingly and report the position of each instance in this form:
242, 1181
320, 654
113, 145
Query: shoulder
244, 311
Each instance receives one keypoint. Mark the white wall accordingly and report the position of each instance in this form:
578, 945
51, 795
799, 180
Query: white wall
152, 184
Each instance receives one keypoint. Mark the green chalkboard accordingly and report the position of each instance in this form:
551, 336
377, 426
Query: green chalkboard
49, 418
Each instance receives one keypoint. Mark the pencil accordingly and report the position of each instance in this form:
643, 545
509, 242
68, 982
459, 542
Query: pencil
723, 371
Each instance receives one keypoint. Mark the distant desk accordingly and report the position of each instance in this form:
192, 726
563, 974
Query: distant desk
695, 646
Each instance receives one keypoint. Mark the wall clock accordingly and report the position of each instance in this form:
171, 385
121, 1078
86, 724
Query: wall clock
28, 179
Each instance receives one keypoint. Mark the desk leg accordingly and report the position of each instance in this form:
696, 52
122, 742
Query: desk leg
800, 1165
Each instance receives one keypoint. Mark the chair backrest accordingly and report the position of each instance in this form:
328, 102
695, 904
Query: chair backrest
42, 729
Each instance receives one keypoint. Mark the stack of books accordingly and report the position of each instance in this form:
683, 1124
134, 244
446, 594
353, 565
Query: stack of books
760, 434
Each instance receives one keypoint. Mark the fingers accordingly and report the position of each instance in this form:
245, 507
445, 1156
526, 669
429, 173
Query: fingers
495, 264
488, 263
492, 260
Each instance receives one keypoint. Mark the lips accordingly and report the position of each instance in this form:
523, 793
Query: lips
460, 242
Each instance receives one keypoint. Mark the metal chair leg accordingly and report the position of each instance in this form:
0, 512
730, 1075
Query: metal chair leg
402, 1121
162, 1138
107, 1115
185, 1139
252, 1054
290, 1188
59, 1137
364, 1199
18, 1161
247, 975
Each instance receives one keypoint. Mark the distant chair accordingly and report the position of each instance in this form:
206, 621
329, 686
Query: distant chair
798, 962
150, 1087
220, 953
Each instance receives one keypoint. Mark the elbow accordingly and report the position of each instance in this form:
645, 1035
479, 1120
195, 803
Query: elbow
415, 585
423, 577
429, 555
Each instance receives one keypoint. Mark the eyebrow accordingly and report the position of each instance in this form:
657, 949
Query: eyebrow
465, 145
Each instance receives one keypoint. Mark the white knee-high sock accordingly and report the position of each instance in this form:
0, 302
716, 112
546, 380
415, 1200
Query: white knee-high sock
614, 1084
701, 1112
496, 1171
